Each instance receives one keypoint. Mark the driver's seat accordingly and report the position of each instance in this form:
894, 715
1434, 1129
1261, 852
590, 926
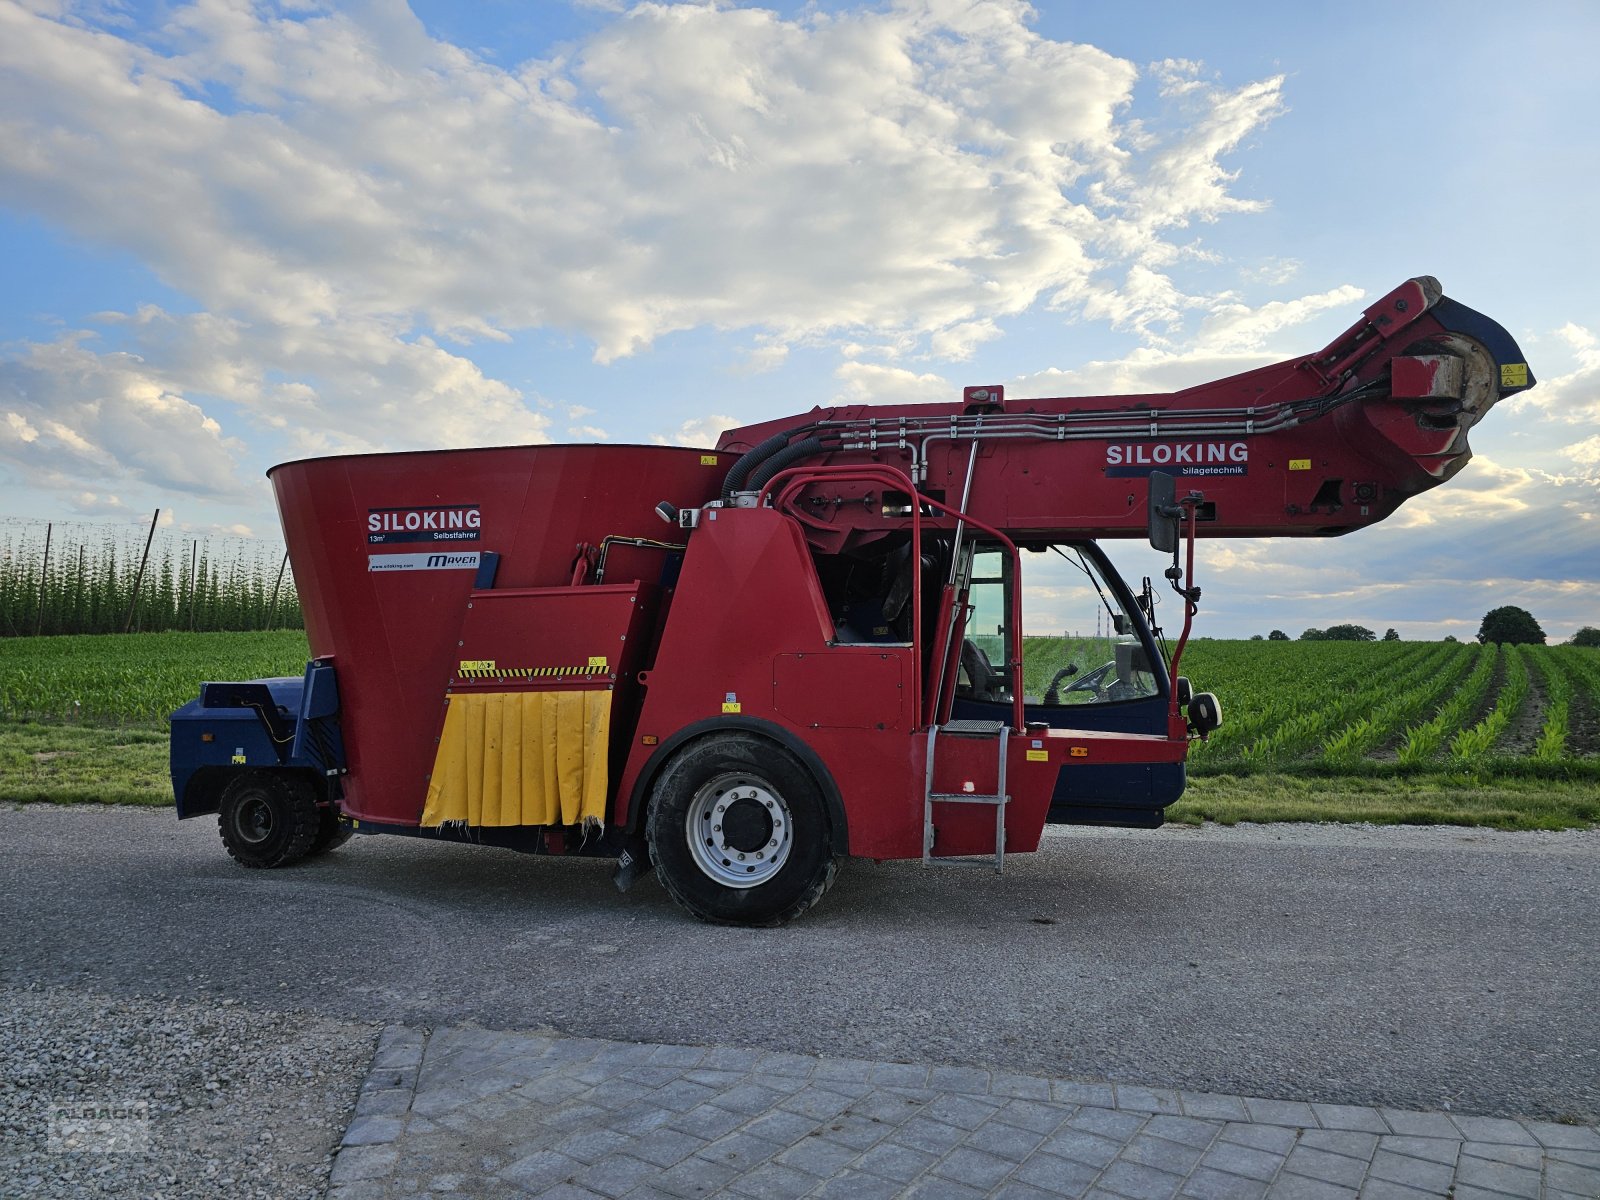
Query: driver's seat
981, 674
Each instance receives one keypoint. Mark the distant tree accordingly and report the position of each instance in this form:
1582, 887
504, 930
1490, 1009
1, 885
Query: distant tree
1391, 635
1277, 635
1587, 636
1314, 635
1349, 633
1256, 637
1450, 637
1510, 626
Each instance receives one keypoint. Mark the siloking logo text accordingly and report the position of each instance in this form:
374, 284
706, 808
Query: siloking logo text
423, 523
1128, 459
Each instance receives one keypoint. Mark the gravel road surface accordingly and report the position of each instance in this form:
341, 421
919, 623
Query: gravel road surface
1418, 968
202, 1098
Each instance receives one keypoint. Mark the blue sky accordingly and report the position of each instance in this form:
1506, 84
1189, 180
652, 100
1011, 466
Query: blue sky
235, 234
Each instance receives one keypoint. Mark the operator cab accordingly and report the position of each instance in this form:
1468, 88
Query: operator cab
1089, 661
1088, 645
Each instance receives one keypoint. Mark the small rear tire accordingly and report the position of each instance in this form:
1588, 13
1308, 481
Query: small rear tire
268, 819
739, 832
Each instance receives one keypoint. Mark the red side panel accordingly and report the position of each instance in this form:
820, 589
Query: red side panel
386, 549
747, 641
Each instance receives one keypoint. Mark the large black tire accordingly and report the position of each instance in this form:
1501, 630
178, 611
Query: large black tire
772, 858
332, 832
268, 819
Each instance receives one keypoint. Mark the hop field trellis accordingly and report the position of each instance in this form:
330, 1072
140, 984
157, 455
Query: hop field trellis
70, 578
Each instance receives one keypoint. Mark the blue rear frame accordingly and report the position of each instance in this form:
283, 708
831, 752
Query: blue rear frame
284, 723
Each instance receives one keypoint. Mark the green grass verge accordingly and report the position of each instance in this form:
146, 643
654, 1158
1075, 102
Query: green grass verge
84, 764
1441, 799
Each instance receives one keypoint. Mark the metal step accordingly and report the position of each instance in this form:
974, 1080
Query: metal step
998, 798
973, 728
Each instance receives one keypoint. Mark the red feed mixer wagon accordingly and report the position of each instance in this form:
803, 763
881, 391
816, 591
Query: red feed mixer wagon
819, 653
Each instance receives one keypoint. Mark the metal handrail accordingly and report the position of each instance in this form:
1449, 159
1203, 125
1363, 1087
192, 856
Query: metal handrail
797, 477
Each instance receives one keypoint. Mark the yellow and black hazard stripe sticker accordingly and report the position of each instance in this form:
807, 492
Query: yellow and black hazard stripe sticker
479, 669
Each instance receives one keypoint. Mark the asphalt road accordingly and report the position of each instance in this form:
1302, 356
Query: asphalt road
1415, 968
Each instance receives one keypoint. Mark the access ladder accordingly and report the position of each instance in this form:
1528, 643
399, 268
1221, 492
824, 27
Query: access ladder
1000, 732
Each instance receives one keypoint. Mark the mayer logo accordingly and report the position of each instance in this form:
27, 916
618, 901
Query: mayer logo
423, 562
423, 523
1124, 459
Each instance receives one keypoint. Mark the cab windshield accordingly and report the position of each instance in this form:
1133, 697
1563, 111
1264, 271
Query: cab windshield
1080, 645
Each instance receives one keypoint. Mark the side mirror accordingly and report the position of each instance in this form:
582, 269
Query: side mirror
1205, 714
1163, 526
1121, 623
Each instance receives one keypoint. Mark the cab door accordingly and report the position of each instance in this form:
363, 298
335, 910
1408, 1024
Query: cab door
1089, 661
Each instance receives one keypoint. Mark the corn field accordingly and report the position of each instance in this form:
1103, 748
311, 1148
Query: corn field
1399, 708
107, 678
62, 578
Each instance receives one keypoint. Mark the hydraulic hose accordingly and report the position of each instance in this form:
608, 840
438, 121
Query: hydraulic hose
752, 458
783, 459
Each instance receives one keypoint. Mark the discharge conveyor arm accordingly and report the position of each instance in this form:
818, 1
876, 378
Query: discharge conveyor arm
1313, 446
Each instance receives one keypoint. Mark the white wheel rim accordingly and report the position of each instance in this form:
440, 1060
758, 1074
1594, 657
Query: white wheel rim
739, 830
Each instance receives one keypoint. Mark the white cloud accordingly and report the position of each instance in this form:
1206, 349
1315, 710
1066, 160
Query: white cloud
700, 431
1572, 397
1233, 326
921, 167
77, 415
1585, 453
342, 194
1274, 272
20, 430
957, 343
1483, 490
94, 504
1141, 371
872, 383
74, 414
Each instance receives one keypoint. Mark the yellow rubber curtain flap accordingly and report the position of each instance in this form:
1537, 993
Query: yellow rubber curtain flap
521, 758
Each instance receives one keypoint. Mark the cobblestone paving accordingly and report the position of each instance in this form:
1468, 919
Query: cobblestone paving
466, 1112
